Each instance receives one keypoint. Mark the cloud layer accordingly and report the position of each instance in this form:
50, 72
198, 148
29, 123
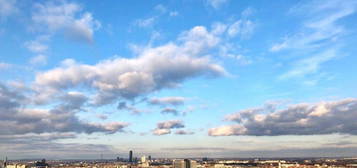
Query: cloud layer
154, 69
165, 127
299, 119
17, 118
67, 17
163, 101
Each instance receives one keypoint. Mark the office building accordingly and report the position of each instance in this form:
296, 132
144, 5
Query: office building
130, 156
184, 163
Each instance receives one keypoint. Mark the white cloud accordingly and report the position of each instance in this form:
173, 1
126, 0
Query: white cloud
321, 28
298, 119
155, 68
318, 40
310, 65
169, 111
247, 12
18, 118
148, 22
170, 124
233, 51
242, 28
227, 130
165, 127
163, 101
68, 17
278, 47
161, 131
36, 46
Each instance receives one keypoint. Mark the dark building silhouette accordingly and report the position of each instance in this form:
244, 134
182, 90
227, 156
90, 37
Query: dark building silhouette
41, 164
5, 162
130, 156
187, 163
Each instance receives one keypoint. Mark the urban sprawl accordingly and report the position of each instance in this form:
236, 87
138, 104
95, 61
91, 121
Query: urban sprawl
149, 162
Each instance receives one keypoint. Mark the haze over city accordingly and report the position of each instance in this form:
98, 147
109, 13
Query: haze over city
178, 79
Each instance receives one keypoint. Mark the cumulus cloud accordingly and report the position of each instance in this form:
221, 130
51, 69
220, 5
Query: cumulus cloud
170, 124
165, 127
67, 17
164, 101
154, 69
161, 131
169, 111
16, 118
131, 108
298, 119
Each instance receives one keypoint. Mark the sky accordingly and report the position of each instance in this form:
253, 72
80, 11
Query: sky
189, 78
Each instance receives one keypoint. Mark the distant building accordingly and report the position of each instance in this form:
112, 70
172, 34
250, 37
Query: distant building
178, 163
184, 163
143, 159
16, 166
130, 156
41, 164
5, 162
190, 163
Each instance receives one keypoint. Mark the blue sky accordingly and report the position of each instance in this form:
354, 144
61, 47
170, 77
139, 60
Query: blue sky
217, 78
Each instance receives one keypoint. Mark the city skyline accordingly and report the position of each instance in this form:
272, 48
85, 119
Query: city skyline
178, 79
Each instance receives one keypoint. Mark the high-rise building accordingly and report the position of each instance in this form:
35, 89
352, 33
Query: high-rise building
178, 163
193, 164
184, 163
130, 156
5, 162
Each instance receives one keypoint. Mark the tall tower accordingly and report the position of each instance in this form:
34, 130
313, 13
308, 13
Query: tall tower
5, 162
130, 156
